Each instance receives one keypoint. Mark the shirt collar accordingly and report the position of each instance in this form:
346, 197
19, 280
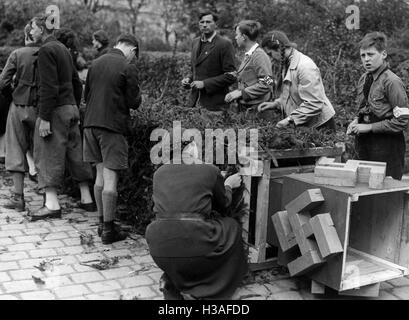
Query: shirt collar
380, 70
209, 39
49, 38
252, 49
116, 51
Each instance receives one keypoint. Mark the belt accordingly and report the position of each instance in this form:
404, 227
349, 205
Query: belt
180, 216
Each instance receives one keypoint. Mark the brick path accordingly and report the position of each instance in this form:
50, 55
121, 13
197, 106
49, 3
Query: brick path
45, 260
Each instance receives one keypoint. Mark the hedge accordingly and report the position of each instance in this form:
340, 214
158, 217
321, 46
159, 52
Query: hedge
164, 101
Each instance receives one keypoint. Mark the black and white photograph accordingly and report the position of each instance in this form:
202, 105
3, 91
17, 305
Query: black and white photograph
224, 151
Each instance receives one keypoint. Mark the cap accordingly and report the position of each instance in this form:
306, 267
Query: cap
129, 38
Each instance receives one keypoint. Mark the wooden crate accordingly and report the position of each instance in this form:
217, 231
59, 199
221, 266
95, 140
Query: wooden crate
372, 226
264, 197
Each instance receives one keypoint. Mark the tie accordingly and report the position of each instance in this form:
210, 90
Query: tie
367, 85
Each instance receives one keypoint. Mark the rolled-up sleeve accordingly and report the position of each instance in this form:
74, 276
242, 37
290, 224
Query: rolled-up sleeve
396, 95
311, 92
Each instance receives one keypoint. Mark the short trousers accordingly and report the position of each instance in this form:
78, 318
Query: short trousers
107, 147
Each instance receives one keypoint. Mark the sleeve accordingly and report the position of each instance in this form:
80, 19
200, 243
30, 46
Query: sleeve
226, 78
222, 195
47, 67
311, 92
9, 71
396, 94
263, 69
86, 89
132, 92
77, 86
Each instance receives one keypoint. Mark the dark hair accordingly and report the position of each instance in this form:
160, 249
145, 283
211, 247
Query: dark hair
267, 42
41, 22
68, 38
102, 37
250, 28
130, 40
374, 39
208, 13
27, 34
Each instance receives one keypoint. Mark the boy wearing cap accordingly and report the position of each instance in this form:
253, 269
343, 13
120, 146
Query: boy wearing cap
379, 135
100, 41
111, 89
302, 98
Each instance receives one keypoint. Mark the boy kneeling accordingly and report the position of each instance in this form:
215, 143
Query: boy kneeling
379, 135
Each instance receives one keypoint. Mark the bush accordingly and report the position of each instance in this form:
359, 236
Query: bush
4, 54
165, 101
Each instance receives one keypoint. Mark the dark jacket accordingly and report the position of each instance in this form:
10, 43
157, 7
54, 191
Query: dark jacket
102, 51
5, 100
59, 83
203, 257
387, 92
212, 67
111, 89
21, 63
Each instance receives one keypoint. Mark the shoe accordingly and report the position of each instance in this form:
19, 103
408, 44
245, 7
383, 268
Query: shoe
89, 207
112, 234
16, 202
45, 213
100, 226
33, 177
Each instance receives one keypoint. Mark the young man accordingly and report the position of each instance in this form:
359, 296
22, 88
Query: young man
111, 89
379, 135
22, 114
212, 64
57, 138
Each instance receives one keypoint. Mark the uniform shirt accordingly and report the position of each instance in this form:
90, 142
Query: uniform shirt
256, 66
387, 92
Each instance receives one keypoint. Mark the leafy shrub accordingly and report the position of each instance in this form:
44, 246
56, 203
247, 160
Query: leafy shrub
4, 54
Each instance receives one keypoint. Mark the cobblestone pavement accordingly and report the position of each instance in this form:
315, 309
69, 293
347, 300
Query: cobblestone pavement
62, 259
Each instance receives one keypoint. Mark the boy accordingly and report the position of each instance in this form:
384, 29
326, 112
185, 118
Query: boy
379, 135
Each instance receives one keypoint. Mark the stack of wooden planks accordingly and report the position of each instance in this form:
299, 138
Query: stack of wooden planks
329, 172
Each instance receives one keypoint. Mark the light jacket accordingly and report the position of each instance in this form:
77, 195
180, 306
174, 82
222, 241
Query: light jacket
303, 96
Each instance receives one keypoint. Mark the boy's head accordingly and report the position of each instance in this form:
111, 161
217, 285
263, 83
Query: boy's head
42, 26
373, 50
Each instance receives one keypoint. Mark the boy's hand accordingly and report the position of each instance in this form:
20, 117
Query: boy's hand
351, 127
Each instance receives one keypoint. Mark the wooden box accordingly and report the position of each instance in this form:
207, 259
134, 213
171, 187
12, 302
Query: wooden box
264, 196
373, 227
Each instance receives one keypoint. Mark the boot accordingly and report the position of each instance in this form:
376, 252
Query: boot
16, 202
111, 234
